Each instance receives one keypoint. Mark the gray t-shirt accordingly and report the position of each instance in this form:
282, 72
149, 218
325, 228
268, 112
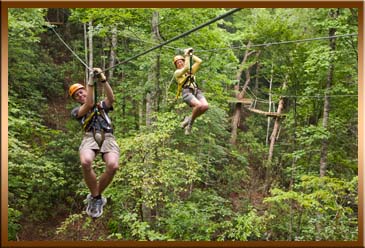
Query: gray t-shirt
99, 121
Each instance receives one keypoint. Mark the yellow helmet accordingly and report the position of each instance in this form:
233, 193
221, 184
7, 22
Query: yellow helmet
178, 57
73, 88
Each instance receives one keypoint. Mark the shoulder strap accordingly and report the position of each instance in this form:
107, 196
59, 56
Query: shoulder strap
103, 114
88, 119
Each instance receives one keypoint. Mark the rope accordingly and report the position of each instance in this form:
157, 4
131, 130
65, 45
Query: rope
251, 92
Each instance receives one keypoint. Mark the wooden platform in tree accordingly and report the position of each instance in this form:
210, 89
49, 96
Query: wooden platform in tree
244, 100
248, 101
55, 23
270, 114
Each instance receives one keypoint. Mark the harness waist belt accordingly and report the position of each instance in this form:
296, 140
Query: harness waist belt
105, 131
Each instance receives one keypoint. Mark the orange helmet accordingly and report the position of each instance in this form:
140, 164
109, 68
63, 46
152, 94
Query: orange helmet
73, 88
178, 57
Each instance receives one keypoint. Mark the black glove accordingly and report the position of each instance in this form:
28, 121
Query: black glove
188, 51
99, 74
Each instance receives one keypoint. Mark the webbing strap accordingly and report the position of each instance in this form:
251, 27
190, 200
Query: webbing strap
191, 78
191, 63
95, 95
188, 79
88, 119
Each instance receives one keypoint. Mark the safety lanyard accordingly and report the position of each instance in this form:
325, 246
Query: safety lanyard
95, 96
191, 63
191, 78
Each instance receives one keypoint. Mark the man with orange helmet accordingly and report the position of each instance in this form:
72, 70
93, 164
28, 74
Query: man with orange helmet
192, 95
98, 137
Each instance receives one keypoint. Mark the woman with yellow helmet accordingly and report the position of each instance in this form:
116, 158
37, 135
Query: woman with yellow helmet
192, 95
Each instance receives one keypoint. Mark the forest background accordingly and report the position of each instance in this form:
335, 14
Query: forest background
274, 158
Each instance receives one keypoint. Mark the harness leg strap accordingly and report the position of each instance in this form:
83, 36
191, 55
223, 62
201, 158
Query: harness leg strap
99, 137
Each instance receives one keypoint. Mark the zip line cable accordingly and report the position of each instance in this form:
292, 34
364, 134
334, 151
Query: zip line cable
144, 41
69, 48
199, 27
155, 47
191, 31
280, 42
176, 37
315, 96
304, 40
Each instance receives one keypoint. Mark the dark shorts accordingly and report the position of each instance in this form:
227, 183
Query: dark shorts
109, 144
188, 95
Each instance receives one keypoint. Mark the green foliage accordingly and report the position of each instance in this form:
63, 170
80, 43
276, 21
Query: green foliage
13, 223
153, 172
35, 182
198, 187
315, 201
246, 227
70, 221
136, 229
202, 217
25, 25
81, 227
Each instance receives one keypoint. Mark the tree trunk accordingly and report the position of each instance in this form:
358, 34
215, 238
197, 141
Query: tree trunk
146, 211
326, 112
148, 109
273, 138
140, 113
152, 98
86, 53
275, 130
270, 102
113, 53
91, 57
236, 118
326, 107
156, 71
256, 88
157, 88
240, 94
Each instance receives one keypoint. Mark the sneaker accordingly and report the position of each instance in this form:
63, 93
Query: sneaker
97, 211
95, 206
188, 129
88, 201
185, 122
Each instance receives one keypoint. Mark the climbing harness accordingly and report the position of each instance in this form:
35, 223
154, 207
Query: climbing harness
189, 82
97, 122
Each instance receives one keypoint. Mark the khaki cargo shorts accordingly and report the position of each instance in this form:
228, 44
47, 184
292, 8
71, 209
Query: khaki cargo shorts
188, 95
109, 144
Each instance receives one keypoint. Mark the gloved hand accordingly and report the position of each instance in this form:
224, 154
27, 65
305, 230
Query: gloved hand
99, 74
188, 51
